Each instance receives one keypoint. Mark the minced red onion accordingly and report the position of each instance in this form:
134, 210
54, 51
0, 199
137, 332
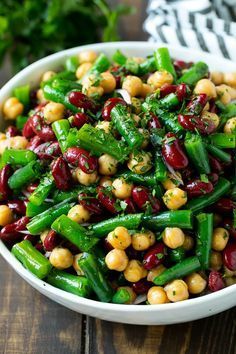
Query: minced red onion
125, 95
174, 174
140, 299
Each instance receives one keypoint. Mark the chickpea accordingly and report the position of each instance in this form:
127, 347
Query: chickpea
171, 182
76, 265
145, 134
230, 281
220, 239
94, 91
196, 284
140, 162
131, 293
16, 142
104, 125
121, 188
116, 260
79, 214
173, 237
6, 215
53, 111
48, 75
143, 240
157, 295
217, 77
2, 136
61, 258
223, 93
146, 90
230, 126
82, 70
159, 78
134, 271
175, 198
216, 260
43, 235
229, 273
133, 85
119, 238
12, 108
177, 290
206, 107
86, 178
205, 86
230, 79
108, 82
188, 243
107, 165
40, 96
212, 117
87, 56
155, 272
105, 182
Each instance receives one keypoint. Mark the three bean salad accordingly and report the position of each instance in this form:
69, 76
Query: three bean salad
118, 178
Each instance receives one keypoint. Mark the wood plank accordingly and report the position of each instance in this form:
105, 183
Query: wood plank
30, 323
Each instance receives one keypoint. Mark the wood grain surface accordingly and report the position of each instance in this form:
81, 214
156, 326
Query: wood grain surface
32, 324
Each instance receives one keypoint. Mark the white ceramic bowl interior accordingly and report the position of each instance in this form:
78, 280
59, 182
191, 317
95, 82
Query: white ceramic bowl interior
134, 314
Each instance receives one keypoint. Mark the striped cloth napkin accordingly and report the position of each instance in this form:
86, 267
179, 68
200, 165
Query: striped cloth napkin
208, 25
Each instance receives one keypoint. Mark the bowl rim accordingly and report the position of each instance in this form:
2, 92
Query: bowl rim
63, 295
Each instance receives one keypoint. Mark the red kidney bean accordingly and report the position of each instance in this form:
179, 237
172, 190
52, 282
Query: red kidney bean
225, 206
154, 122
61, 174
34, 143
182, 92
142, 286
213, 177
39, 107
27, 130
5, 174
215, 164
130, 208
166, 89
10, 232
143, 199
53, 149
90, 203
51, 241
107, 200
80, 100
187, 174
228, 224
40, 150
72, 155
31, 238
181, 65
39, 247
191, 123
18, 206
229, 256
154, 256
82, 158
196, 188
31, 187
197, 103
79, 119
173, 152
215, 281
213, 108
11, 131
109, 104
44, 131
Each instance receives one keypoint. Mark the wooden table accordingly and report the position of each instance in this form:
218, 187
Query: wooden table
30, 323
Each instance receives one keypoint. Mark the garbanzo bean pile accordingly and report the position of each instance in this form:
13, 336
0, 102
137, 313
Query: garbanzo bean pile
118, 178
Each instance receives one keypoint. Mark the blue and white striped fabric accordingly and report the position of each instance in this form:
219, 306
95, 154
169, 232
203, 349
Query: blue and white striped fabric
208, 25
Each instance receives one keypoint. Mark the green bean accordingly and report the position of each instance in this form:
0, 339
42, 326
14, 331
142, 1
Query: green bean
132, 66
31, 259
147, 66
44, 220
66, 86
119, 58
197, 153
220, 189
204, 238
177, 255
160, 169
43, 189
23, 94
20, 122
164, 62
58, 96
121, 296
100, 65
18, 157
197, 72
176, 218
169, 102
223, 140
33, 210
130, 221
218, 153
147, 179
74, 232
72, 64
25, 175
74, 284
61, 129
59, 195
97, 280
179, 270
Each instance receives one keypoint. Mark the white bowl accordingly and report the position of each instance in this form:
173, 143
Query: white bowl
134, 314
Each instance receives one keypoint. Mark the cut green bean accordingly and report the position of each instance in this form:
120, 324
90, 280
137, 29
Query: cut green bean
44, 220
204, 238
176, 218
147, 179
42, 191
18, 157
130, 221
72, 64
177, 255
32, 259
60, 195
100, 65
223, 140
23, 94
25, 175
58, 96
20, 122
169, 102
74, 232
33, 210
74, 284
121, 296
97, 280
119, 58
164, 62
61, 129
197, 72
160, 169
218, 153
147, 66
178, 271
197, 153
